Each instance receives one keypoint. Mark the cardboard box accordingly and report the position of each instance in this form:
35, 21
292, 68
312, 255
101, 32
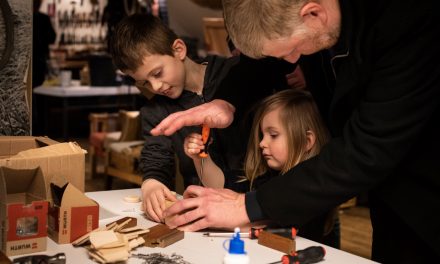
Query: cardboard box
23, 212
59, 162
71, 215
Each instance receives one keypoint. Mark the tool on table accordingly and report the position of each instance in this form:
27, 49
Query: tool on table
59, 258
205, 138
254, 233
305, 256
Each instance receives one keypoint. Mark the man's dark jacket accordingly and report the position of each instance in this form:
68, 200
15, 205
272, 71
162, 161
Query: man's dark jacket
379, 90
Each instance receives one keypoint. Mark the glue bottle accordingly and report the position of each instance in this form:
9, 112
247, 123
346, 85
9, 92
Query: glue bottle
236, 253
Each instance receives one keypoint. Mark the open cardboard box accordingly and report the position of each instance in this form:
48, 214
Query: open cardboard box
59, 162
71, 215
23, 211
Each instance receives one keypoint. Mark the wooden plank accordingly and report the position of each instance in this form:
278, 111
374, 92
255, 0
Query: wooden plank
162, 236
277, 242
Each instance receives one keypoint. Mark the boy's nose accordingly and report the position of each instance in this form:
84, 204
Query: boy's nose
156, 85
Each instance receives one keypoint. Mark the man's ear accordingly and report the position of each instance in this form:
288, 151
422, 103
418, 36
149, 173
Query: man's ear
179, 49
314, 15
311, 139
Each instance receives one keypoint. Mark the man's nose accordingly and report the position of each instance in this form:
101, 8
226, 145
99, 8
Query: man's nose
292, 58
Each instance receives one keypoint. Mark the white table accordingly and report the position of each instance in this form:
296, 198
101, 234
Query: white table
82, 98
195, 248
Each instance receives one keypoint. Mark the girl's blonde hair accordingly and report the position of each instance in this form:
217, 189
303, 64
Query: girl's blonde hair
299, 114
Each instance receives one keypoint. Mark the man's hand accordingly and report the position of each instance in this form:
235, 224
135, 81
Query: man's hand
216, 114
154, 194
206, 207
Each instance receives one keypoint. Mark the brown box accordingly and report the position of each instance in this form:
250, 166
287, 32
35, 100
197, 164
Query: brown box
59, 162
23, 211
72, 214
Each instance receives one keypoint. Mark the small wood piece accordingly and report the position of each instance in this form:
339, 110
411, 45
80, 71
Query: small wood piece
132, 199
124, 222
162, 236
101, 238
277, 242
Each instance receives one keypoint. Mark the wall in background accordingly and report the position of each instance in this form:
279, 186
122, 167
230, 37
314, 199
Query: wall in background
186, 18
14, 106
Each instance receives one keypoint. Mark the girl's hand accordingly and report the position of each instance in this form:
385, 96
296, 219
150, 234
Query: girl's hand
193, 145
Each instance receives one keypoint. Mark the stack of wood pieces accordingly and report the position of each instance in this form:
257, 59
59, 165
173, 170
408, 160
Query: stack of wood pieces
114, 242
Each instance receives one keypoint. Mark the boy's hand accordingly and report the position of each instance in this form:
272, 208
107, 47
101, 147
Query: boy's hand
154, 195
193, 145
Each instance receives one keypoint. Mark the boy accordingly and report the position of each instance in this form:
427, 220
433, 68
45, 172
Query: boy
148, 51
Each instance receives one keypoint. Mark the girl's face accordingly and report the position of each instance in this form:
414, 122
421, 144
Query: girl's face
274, 142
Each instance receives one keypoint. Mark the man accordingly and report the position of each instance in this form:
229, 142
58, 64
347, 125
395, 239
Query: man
373, 68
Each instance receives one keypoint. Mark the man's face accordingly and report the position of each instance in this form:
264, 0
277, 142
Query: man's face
303, 41
161, 74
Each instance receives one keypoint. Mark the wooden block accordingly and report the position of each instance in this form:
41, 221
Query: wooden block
277, 242
162, 236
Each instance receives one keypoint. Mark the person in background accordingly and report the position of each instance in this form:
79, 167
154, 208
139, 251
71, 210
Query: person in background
43, 36
152, 54
287, 129
373, 68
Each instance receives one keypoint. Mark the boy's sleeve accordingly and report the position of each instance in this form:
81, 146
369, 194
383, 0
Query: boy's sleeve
157, 156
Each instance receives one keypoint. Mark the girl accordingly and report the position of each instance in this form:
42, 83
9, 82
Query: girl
287, 129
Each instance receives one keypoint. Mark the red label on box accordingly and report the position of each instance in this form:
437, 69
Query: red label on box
27, 221
85, 219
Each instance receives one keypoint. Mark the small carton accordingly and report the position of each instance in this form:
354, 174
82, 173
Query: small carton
71, 215
59, 162
23, 212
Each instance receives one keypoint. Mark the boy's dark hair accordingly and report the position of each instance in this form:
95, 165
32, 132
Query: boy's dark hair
139, 35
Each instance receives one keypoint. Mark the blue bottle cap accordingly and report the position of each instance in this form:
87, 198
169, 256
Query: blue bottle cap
236, 245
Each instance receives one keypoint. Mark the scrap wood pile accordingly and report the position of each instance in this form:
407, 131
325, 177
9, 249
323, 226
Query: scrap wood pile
115, 241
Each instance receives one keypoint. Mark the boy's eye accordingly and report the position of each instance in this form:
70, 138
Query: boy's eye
157, 74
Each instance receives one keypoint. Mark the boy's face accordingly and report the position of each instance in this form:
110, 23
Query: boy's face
162, 74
